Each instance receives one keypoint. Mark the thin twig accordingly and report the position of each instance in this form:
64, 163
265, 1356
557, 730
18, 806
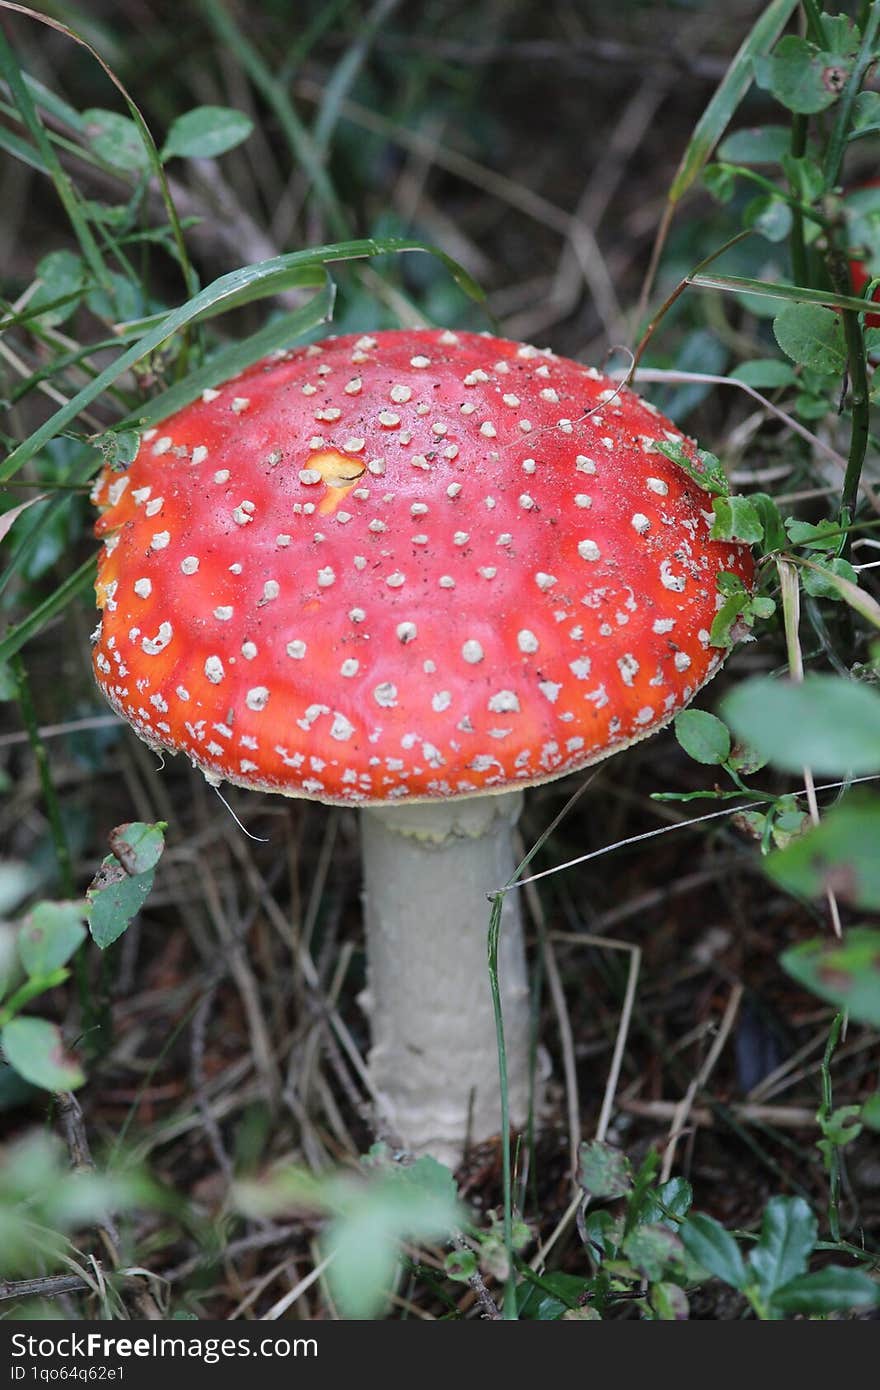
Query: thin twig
683, 1108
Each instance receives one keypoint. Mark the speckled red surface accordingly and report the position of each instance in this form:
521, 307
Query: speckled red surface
501, 587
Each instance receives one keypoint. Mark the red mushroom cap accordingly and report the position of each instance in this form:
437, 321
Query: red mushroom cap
419, 564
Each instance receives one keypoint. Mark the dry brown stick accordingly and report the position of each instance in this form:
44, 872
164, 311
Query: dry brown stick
791, 608
73, 1127
259, 1240
197, 1077
781, 1116
684, 1106
609, 171
47, 1286
478, 1284
239, 968
563, 1021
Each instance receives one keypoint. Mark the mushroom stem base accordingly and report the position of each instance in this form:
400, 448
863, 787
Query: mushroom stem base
434, 1061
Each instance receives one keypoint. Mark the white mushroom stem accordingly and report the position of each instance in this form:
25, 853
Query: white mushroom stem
428, 869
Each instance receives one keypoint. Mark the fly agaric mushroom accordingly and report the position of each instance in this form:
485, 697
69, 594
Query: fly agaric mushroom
413, 573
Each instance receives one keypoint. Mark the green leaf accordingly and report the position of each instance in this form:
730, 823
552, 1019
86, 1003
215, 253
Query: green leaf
840, 854
736, 520
846, 973
841, 1126
115, 898
670, 1200
824, 535
363, 1239
827, 1291
49, 936
702, 736
63, 279
865, 114
805, 176
841, 35
819, 585
669, 1302
558, 1293
770, 216
604, 1171
652, 1249
116, 140
120, 302
138, 846
756, 145
714, 1249
461, 1265
118, 448
35, 1049
603, 1232
826, 722
765, 373
788, 1235
813, 336
774, 534
707, 473
801, 77
720, 180
834, 578
721, 633
206, 132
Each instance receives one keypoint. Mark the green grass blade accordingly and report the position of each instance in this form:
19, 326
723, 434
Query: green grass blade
75, 584
21, 150
800, 294
67, 194
344, 74
235, 357
275, 93
55, 105
81, 470
736, 82
237, 287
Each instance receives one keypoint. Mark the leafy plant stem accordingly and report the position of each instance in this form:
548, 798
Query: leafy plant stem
799, 271
832, 1150
815, 27
800, 208
670, 300
860, 401
866, 56
30, 990
41, 757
